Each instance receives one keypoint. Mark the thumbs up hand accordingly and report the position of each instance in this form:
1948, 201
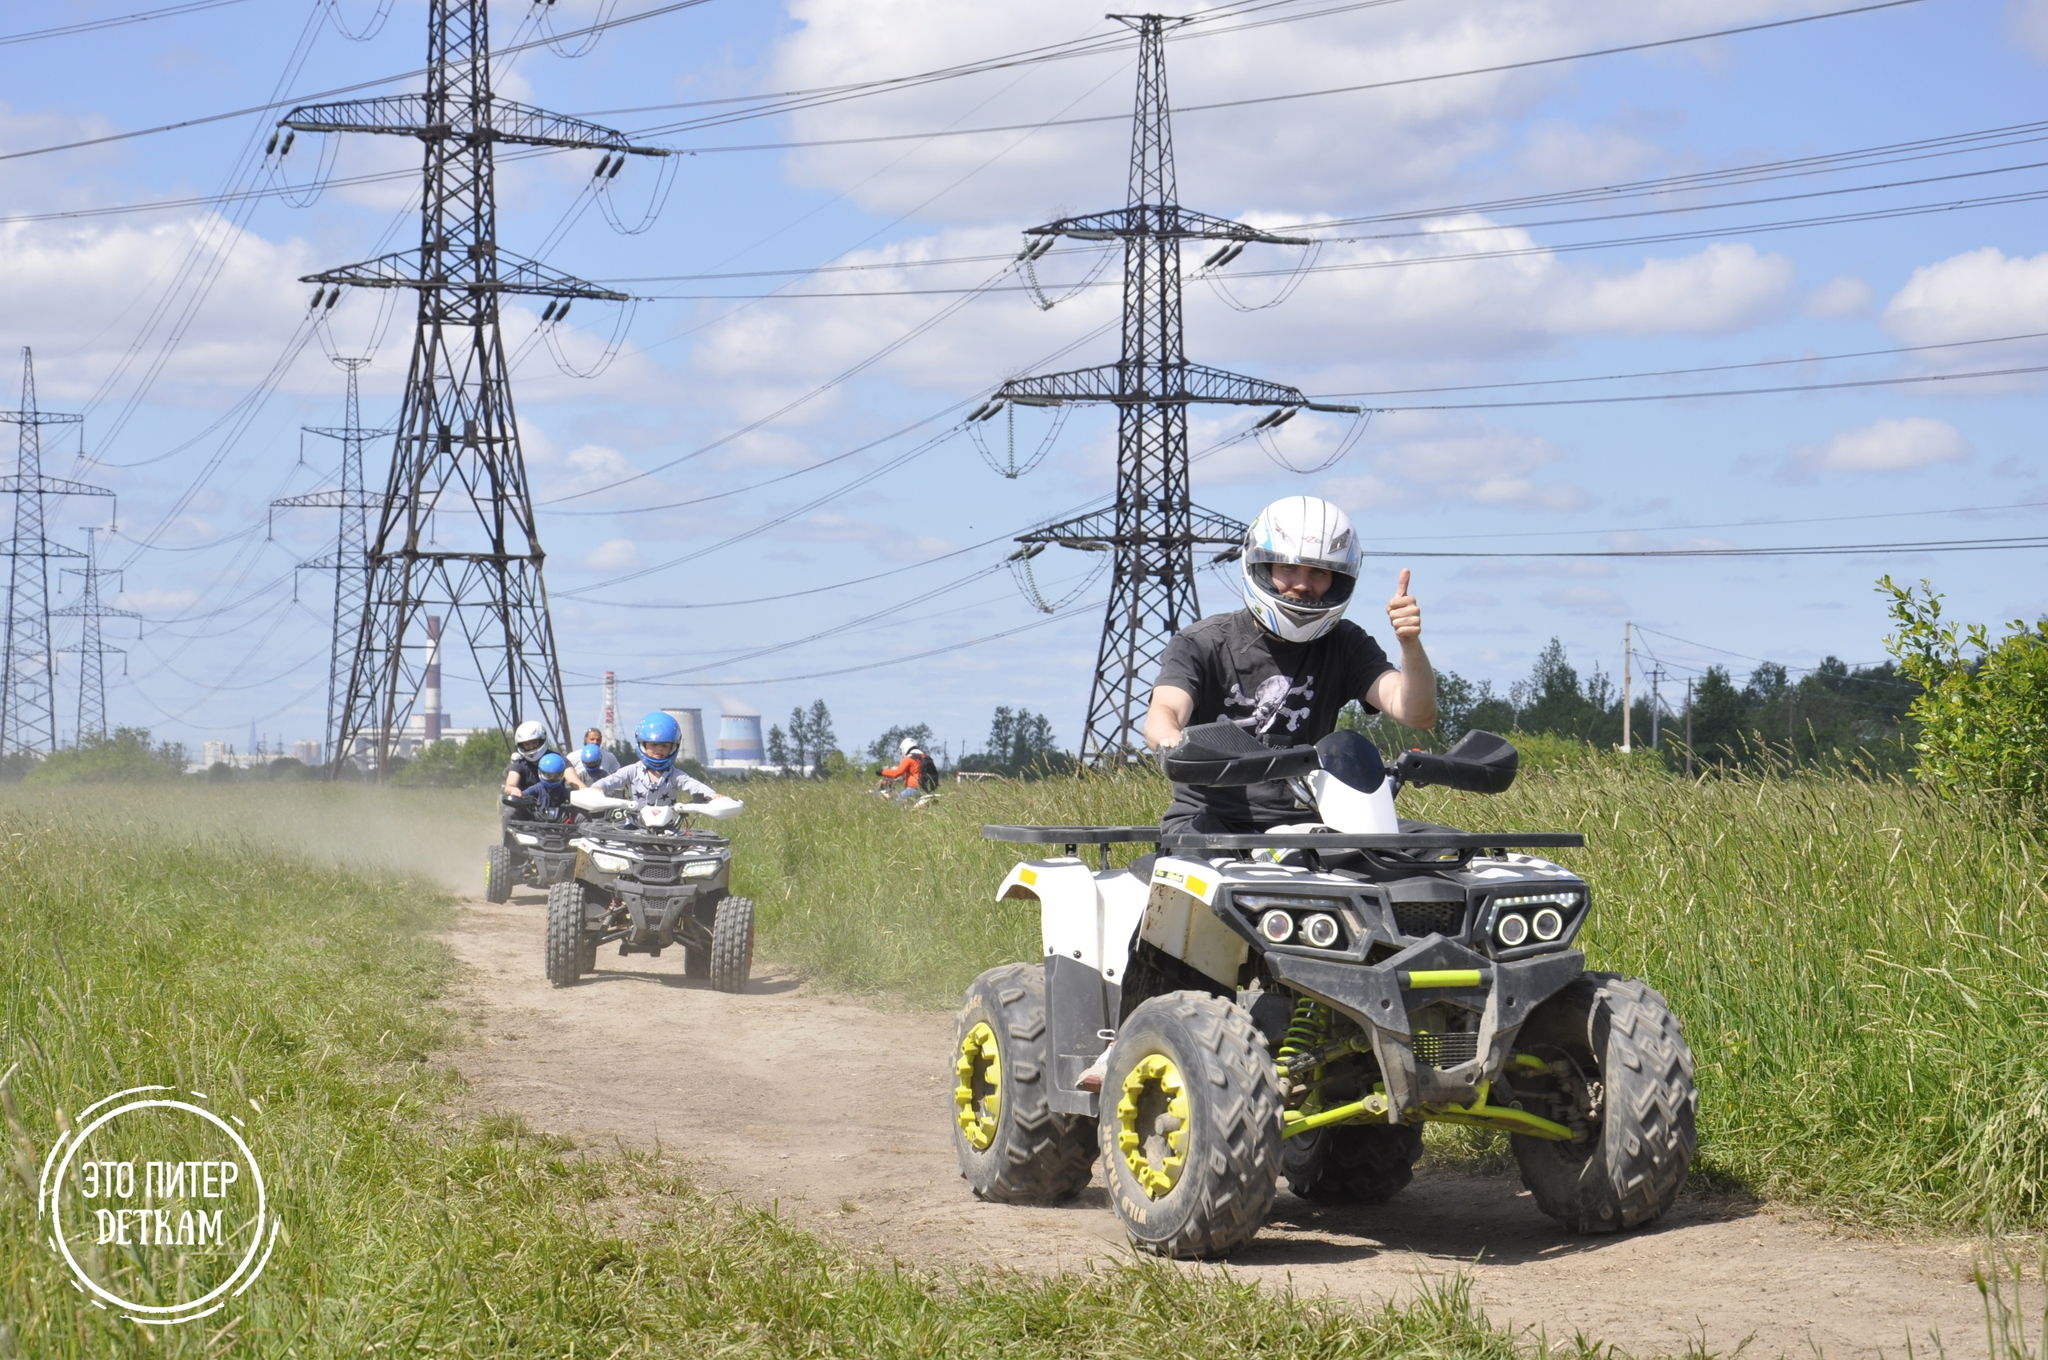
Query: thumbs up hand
1403, 613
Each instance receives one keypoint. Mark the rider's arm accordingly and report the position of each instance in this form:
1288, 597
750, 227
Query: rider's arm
1169, 712
696, 788
1407, 695
575, 778
512, 788
896, 771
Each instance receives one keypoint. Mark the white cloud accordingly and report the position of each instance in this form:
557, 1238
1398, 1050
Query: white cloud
1891, 445
1720, 289
1980, 293
614, 554
2028, 21
1403, 139
1842, 296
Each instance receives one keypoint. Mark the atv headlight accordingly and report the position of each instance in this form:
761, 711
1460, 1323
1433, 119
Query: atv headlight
1517, 918
1282, 917
611, 864
701, 868
1320, 930
525, 839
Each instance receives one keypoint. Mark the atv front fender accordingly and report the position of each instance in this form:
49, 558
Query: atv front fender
1379, 997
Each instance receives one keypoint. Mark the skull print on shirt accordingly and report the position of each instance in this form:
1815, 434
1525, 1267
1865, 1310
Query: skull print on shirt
1269, 705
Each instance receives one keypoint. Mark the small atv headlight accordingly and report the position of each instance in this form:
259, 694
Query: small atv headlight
1547, 923
1277, 926
1511, 929
1320, 930
524, 839
611, 864
700, 868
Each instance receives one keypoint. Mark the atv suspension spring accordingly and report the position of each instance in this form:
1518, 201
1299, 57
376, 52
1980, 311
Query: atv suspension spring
1308, 1031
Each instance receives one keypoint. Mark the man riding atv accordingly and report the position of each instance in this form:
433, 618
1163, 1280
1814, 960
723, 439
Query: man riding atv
1285, 665
1283, 668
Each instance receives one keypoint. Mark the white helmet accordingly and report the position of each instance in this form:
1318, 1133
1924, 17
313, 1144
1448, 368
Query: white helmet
905, 747
528, 733
1301, 531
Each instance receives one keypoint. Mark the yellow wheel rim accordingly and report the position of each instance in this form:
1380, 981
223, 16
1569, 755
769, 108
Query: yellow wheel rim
1152, 1124
978, 1086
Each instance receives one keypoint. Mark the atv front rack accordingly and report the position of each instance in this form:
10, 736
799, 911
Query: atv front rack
1074, 837
1411, 846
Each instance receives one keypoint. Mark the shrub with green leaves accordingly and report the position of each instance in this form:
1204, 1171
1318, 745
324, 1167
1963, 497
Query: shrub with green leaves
1983, 707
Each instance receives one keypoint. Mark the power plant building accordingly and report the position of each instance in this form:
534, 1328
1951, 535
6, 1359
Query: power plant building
691, 720
739, 741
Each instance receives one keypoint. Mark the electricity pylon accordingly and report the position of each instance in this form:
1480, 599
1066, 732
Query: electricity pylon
92, 648
28, 666
455, 535
350, 560
1153, 527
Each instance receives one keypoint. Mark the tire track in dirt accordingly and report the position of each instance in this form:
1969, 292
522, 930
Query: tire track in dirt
839, 1113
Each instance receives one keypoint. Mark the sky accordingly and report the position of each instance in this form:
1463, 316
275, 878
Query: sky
1559, 272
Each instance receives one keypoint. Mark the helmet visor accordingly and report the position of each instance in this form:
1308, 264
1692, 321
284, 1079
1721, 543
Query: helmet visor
1259, 566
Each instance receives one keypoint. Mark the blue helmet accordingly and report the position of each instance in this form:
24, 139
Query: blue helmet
592, 756
551, 767
658, 727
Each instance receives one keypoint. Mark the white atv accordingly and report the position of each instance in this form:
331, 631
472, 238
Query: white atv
646, 878
1299, 1002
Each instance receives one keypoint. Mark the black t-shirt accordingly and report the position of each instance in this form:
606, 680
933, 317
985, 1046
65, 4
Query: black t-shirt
1283, 693
527, 768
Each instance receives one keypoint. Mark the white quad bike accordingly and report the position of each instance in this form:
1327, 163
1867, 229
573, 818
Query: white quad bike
647, 879
1299, 1002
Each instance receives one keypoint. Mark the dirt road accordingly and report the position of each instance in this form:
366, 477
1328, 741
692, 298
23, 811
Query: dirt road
737, 1084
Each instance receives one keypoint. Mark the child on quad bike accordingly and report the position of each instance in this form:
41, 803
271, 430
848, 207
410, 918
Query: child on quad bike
593, 762
654, 779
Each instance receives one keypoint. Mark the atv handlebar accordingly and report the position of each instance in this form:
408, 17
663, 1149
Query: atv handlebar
1479, 762
1223, 754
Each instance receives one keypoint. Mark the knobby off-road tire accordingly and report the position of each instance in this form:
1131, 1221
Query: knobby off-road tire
498, 874
1190, 1126
1012, 1147
1622, 1034
732, 945
1351, 1163
567, 950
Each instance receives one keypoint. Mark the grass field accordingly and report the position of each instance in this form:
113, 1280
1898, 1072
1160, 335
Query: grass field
1859, 965
202, 941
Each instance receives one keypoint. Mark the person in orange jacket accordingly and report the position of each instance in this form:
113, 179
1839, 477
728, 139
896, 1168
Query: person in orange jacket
914, 768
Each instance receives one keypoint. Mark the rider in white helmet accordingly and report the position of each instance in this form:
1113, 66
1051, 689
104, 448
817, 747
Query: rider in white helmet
913, 767
1284, 666
529, 744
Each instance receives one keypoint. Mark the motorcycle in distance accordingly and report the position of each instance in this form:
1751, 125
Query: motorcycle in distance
647, 879
535, 849
1299, 1002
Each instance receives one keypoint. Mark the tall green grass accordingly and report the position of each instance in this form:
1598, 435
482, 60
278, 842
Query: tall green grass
1859, 964
205, 939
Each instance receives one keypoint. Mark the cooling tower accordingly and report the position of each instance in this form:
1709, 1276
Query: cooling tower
691, 720
739, 739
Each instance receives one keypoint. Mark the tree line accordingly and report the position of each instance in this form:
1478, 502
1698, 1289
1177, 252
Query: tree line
1834, 713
